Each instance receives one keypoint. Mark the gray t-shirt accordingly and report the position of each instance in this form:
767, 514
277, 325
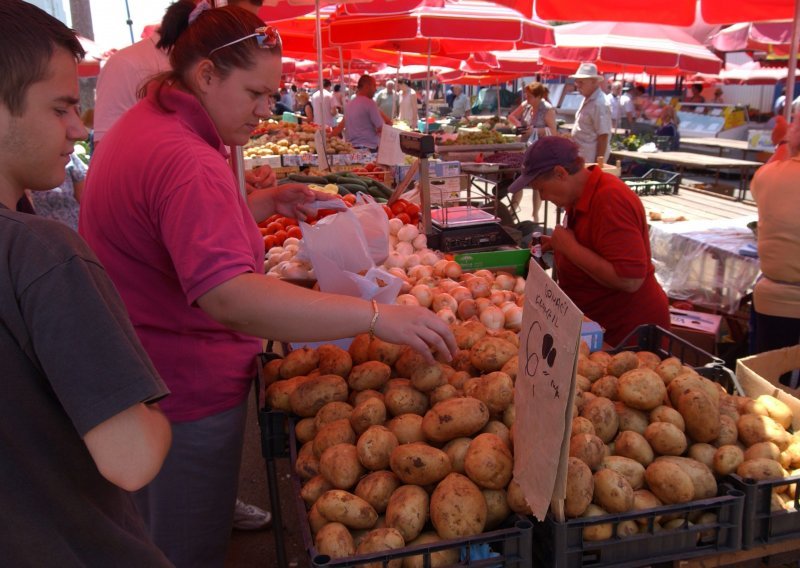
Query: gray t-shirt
70, 361
362, 119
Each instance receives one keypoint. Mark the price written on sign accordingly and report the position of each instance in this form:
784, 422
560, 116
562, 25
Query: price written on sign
544, 390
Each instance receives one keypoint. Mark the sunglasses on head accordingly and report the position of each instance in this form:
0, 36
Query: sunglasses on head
267, 38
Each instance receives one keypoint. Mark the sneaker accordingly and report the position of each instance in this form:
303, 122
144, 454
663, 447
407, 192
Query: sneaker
250, 518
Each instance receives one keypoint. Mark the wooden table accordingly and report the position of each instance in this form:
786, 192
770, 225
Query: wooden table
722, 144
685, 160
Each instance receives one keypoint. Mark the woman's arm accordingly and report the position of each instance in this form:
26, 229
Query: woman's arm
514, 115
550, 123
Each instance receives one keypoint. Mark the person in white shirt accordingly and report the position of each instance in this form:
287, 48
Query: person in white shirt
592, 128
621, 106
322, 103
408, 104
460, 102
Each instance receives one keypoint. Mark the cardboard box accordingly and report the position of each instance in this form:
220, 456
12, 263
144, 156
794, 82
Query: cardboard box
592, 334
700, 329
759, 374
514, 261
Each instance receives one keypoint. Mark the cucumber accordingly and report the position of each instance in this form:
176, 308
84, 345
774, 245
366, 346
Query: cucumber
384, 189
352, 180
302, 178
353, 187
343, 190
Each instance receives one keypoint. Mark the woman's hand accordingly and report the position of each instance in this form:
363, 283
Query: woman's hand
260, 177
289, 200
417, 327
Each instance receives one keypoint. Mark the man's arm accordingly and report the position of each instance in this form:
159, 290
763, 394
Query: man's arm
602, 144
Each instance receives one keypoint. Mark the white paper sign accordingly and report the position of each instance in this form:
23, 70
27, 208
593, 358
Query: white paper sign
544, 390
389, 152
322, 155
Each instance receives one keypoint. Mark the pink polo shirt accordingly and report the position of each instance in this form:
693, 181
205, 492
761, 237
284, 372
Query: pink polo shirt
162, 211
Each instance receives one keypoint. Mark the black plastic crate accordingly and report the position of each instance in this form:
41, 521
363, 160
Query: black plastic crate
273, 424
655, 182
509, 546
561, 545
760, 524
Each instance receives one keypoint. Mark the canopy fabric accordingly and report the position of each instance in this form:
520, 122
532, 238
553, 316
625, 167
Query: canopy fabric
276, 10
774, 37
462, 78
627, 46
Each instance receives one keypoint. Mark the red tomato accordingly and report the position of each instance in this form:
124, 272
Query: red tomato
294, 231
404, 218
398, 207
263, 231
370, 167
388, 211
412, 209
274, 227
281, 236
269, 242
272, 218
311, 219
287, 221
415, 220
350, 199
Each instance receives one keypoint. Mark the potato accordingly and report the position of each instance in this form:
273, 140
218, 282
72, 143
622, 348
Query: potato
438, 559
665, 439
516, 500
506, 334
703, 453
491, 353
582, 383
408, 362
458, 508
603, 416
299, 362
632, 445
334, 360
375, 446
488, 462
339, 465
509, 415
630, 418
703, 482
599, 531
648, 359
763, 450
668, 414
376, 488
691, 381
511, 368
455, 418
369, 375
612, 491
588, 448
628, 468
496, 390
305, 430
334, 540
357, 397
606, 387
315, 520
760, 469
352, 511
777, 410
621, 363
701, 415
462, 362
381, 540
408, 511
380, 350
405, 400
601, 358
668, 369
359, 348
641, 388
331, 412
581, 425
728, 433
727, 459
669, 482
338, 432
313, 488
441, 393
426, 378
500, 430
456, 450
754, 428
592, 370
419, 464
407, 428
497, 509
580, 488
644, 500
370, 412
469, 333
313, 394
307, 464
278, 393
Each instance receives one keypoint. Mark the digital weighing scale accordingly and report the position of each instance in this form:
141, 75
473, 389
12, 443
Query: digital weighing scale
451, 229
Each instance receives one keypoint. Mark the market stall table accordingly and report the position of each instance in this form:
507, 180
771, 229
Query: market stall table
723, 144
685, 160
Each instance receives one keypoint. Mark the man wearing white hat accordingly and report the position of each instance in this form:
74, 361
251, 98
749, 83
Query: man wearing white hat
592, 128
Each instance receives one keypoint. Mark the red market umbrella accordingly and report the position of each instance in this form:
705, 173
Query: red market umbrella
633, 47
95, 56
773, 37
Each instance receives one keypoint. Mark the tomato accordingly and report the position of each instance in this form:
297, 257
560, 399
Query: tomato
370, 167
287, 221
398, 207
263, 231
326, 212
311, 219
281, 236
274, 227
272, 218
294, 231
269, 242
350, 199
415, 219
412, 209
388, 211
404, 218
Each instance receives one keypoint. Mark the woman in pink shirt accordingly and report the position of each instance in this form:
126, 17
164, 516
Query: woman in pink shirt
163, 212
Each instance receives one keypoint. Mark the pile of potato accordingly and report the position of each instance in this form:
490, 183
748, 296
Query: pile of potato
648, 433
397, 452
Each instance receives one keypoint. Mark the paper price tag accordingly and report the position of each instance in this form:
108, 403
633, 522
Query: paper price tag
322, 155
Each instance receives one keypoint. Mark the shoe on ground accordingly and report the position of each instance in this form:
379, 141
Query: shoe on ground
250, 518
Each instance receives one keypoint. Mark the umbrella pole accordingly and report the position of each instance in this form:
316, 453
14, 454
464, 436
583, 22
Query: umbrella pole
426, 101
318, 32
790, 77
342, 88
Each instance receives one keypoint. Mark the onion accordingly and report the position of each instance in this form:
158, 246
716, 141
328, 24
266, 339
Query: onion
507, 306
399, 272
460, 293
428, 281
406, 300
441, 301
423, 295
493, 318
393, 242
405, 287
419, 271
394, 226
286, 255
519, 285
438, 267
272, 260
420, 241
452, 269
295, 272
486, 274
412, 260
514, 318
521, 300
478, 287
497, 297
395, 260
276, 250
447, 284
291, 241
483, 303
504, 282
291, 248
407, 233
430, 258
404, 248
467, 309
447, 315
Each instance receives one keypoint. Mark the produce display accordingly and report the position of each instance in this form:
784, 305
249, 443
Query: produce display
275, 138
474, 136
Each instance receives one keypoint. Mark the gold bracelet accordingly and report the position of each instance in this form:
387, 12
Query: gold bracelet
375, 314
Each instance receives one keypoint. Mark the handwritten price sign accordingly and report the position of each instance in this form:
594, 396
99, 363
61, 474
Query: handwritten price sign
544, 391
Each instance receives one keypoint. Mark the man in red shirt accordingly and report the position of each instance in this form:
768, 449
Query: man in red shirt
602, 253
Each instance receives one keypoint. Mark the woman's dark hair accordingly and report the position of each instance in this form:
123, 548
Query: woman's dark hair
188, 43
28, 38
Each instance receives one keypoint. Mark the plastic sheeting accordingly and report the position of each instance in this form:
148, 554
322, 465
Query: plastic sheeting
700, 261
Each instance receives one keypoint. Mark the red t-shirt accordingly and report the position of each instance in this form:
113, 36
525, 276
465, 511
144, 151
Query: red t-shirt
609, 219
163, 212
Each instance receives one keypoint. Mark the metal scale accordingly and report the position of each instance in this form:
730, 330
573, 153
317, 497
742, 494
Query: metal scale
451, 229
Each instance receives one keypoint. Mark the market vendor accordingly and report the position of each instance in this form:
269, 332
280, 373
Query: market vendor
592, 128
602, 253
163, 212
363, 119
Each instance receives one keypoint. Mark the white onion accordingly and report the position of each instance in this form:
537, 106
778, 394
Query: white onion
519, 285
447, 284
289, 241
447, 315
438, 267
272, 260
467, 276
429, 258
286, 255
483, 303
276, 250
291, 248
493, 318
510, 296
514, 318
521, 300
460, 294
395, 225
478, 287
296, 272
497, 297
405, 287
404, 248
423, 295
412, 260
420, 241
467, 309
452, 269
441, 301
488, 275
407, 233
504, 282
420, 271
406, 300
429, 281
395, 260
393, 240
399, 272
507, 306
